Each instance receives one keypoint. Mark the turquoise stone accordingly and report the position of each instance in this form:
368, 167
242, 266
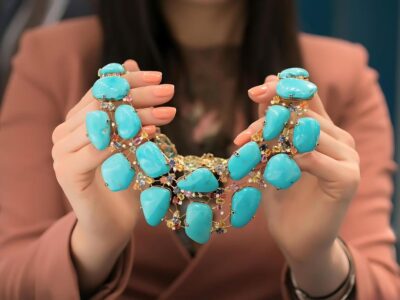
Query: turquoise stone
198, 222
201, 180
306, 135
275, 119
292, 88
281, 171
245, 203
128, 121
155, 203
244, 160
110, 88
151, 160
112, 68
117, 172
293, 73
98, 129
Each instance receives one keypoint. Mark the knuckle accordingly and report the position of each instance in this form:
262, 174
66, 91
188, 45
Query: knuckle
56, 134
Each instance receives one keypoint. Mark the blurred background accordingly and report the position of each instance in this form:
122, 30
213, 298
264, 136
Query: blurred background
375, 24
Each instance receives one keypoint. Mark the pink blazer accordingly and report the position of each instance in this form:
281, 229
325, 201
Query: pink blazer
54, 67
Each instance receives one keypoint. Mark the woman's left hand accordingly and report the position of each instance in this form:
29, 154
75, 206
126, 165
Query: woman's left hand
305, 219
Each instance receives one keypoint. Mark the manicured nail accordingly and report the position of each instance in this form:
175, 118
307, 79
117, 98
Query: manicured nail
163, 90
150, 129
152, 76
258, 90
243, 137
163, 112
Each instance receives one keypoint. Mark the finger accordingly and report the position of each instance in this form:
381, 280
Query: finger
317, 106
141, 97
335, 149
271, 78
86, 99
135, 78
131, 65
143, 78
330, 128
156, 115
324, 167
86, 159
263, 93
74, 121
151, 95
246, 134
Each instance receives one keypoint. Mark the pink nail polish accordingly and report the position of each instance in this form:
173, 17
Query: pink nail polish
163, 112
258, 90
163, 90
152, 76
243, 137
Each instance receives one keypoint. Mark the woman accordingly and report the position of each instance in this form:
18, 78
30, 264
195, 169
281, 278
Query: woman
64, 235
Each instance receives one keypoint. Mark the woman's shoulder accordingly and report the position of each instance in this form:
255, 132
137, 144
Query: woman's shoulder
78, 35
332, 58
64, 44
61, 59
338, 67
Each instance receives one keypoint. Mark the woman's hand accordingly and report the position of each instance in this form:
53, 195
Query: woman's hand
105, 219
305, 219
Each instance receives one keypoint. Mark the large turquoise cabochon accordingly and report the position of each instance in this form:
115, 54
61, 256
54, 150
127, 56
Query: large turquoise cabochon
155, 202
281, 171
306, 135
244, 160
98, 129
198, 222
201, 180
112, 68
110, 88
117, 172
245, 203
128, 121
292, 88
293, 73
275, 119
152, 160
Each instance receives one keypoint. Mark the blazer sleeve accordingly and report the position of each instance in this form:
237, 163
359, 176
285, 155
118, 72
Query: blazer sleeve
366, 228
35, 222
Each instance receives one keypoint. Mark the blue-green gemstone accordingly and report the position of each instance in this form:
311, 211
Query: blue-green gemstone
293, 73
201, 180
112, 68
198, 222
151, 160
155, 202
117, 172
292, 88
275, 119
110, 88
98, 129
244, 160
306, 135
128, 121
281, 171
245, 203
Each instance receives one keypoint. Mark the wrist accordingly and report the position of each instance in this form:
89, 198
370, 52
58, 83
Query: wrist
322, 272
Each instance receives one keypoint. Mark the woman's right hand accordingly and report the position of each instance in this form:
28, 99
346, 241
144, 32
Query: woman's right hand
105, 219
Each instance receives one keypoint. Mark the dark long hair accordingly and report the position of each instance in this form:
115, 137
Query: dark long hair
137, 29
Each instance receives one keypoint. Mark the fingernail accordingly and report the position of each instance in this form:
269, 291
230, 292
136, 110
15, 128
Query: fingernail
243, 137
150, 129
152, 76
163, 90
163, 112
258, 90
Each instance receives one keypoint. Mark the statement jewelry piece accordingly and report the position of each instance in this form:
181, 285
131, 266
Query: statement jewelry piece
219, 192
